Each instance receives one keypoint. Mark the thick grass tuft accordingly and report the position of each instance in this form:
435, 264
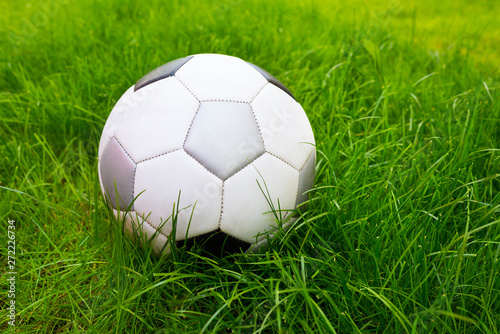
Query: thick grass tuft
402, 230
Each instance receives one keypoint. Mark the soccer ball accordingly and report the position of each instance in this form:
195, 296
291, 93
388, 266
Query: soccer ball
208, 149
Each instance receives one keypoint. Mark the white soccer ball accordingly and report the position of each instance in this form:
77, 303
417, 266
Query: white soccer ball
211, 143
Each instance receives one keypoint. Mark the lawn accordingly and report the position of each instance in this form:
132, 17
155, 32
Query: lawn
402, 230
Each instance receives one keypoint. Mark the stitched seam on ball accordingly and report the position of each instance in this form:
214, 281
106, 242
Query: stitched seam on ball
190, 125
297, 193
298, 184
258, 127
123, 148
260, 90
154, 228
189, 90
242, 168
238, 239
224, 100
301, 168
135, 168
211, 172
144, 219
289, 164
122, 104
158, 155
221, 203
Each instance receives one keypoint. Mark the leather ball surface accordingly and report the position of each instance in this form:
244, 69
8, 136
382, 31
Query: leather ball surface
201, 148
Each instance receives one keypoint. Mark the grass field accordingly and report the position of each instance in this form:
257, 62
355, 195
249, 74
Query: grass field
402, 232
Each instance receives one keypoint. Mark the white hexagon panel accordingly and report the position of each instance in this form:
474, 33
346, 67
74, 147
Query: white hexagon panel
285, 128
201, 150
172, 108
247, 213
178, 178
222, 78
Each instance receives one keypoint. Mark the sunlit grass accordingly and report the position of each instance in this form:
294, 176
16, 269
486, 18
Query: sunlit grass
401, 234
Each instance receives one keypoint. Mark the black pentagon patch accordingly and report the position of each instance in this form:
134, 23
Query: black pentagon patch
162, 72
216, 244
272, 80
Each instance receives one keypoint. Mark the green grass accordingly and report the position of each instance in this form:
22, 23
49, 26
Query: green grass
402, 232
